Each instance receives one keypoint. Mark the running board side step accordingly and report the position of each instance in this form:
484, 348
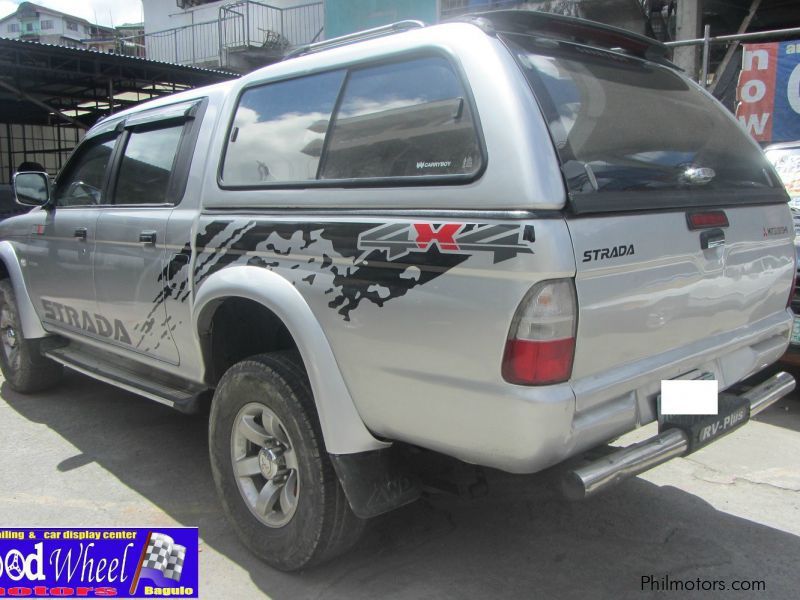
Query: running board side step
672, 442
182, 396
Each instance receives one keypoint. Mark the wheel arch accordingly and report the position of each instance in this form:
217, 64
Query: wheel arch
9, 262
343, 430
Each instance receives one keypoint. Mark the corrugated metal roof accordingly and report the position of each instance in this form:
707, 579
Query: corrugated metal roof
121, 57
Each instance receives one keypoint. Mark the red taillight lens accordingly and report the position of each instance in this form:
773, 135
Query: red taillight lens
537, 363
706, 219
541, 342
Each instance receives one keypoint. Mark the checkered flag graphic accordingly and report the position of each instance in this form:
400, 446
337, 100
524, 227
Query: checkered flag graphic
164, 555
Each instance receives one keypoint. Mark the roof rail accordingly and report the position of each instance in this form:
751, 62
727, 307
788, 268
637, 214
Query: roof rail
571, 29
358, 36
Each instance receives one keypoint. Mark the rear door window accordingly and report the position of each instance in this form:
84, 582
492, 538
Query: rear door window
404, 119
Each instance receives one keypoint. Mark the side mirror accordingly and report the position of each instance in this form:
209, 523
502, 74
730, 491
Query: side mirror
31, 188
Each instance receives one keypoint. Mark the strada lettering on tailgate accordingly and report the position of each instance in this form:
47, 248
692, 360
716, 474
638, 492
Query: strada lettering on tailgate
92, 324
604, 253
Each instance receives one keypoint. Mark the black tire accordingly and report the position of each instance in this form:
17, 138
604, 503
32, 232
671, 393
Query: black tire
24, 367
322, 525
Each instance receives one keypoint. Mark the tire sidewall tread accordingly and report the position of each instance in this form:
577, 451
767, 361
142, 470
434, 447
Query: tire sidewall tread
36, 372
316, 531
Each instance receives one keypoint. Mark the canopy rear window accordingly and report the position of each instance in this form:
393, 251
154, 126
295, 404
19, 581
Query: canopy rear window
623, 126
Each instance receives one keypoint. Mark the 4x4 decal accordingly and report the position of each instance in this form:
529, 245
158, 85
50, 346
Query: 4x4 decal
349, 262
399, 239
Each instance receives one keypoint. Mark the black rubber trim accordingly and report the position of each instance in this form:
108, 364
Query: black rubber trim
375, 482
633, 202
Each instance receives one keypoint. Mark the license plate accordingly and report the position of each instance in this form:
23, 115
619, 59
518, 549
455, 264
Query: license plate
795, 339
733, 412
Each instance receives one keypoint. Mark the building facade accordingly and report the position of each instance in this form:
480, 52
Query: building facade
237, 35
35, 23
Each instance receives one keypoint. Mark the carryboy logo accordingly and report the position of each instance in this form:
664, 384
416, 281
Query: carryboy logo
434, 165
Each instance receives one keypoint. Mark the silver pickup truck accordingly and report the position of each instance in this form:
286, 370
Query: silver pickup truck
490, 239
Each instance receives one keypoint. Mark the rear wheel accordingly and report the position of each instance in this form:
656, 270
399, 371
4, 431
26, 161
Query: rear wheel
24, 367
272, 473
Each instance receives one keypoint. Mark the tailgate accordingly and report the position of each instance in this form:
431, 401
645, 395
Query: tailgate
645, 286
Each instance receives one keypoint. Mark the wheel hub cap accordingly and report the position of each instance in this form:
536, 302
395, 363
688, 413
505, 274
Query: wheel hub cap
271, 462
8, 337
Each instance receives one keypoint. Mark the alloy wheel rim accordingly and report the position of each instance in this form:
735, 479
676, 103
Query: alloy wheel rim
8, 336
265, 465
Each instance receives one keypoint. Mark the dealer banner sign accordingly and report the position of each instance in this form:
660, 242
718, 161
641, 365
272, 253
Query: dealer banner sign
99, 563
768, 95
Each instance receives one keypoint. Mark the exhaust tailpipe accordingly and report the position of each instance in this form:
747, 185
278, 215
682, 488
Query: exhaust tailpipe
618, 466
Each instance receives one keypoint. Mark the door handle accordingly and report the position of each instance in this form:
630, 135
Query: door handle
80, 233
148, 238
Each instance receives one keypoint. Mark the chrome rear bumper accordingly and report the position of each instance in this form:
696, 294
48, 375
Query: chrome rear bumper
627, 462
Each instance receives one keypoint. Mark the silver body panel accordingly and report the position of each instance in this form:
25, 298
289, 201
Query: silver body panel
58, 266
126, 277
408, 349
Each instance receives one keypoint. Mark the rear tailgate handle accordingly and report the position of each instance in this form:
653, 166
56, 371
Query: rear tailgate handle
713, 238
80, 233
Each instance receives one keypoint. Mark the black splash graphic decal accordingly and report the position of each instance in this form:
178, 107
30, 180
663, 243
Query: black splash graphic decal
352, 262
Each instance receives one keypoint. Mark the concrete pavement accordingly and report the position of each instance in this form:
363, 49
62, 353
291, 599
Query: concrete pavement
91, 455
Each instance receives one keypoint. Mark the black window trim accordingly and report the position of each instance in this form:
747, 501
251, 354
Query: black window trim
180, 171
366, 182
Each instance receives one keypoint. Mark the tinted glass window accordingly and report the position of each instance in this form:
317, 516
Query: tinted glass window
636, 125
82, 184
403, 119
279, 129
147, 166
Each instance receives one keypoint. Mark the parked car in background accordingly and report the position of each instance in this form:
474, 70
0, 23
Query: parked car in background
785, 157
8, 206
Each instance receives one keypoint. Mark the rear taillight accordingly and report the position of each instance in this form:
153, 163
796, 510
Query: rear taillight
541, 342
794, 284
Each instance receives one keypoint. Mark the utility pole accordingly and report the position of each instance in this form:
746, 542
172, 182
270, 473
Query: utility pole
688, 26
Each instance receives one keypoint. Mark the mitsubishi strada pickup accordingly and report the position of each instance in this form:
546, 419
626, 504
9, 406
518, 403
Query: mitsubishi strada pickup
490, 239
